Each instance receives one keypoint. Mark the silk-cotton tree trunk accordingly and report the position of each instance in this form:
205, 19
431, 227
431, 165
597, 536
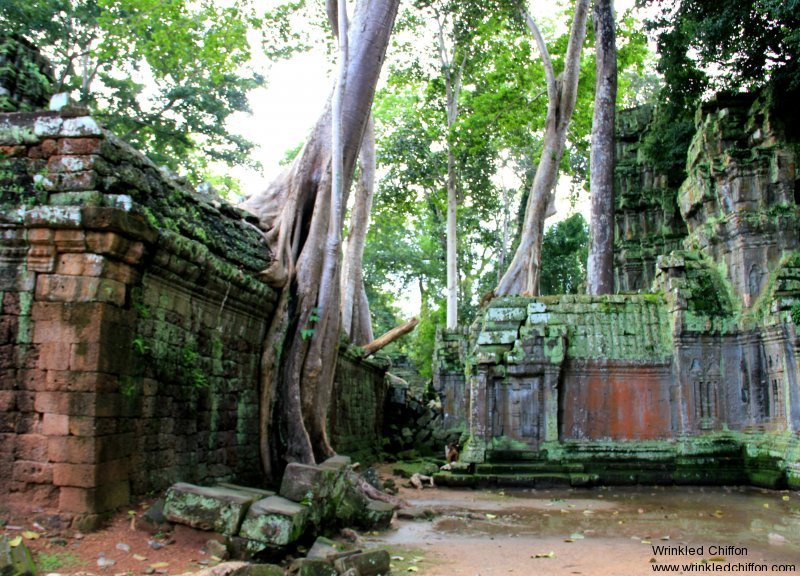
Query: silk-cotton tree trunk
522, 276
600, 265
296, 213
356, 320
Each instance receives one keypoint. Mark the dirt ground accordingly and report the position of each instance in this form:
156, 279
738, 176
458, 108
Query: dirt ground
598, 532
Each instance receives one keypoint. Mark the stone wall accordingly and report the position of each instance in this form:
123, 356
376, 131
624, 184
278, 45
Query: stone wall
702, 372
357, 411
647, 220
739, 197
132, 322
449, 376
131, 326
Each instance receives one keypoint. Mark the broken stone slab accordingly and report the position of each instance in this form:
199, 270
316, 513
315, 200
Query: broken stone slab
153, 521
314, 567
259, 493
260, 570
371, 563
415, 514
338, 463
378, 515
244, 548
15, 560
275, 520
240, 569
307, 482
324, 549
219, 509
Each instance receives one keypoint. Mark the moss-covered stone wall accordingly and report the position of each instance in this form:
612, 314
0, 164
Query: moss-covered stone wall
133, 322
739, 198
647, 220
356, 415
702, 372
131, 326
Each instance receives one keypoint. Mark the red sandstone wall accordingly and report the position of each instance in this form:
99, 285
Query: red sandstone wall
615, 400
128, 357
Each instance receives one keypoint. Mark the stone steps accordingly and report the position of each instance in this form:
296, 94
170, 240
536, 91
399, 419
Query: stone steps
525, 480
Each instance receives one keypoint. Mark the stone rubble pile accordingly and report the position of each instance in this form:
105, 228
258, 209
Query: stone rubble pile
313, 500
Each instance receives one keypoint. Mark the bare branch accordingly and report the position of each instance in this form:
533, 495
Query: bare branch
332, 7
544, 54
569, 85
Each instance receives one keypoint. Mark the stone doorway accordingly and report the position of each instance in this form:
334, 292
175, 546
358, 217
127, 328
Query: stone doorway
516, 406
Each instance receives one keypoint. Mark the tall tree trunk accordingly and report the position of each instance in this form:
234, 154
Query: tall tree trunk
452, 244
356, 320
600, 265
506, 228
453, 75
297, 214
522, 276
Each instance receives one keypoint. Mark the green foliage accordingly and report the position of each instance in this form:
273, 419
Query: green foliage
54, 561
420, 349
708, 294
165, 75
565, 248
795, 313
27, 79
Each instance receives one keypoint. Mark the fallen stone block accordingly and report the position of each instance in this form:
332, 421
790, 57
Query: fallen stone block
324, 549
243, 548
314, 567
259, 493
378, 515
153, 521
338, 463
218, 549
260, 570
275, 521
219, 509
307, 483
15, 560
372, 563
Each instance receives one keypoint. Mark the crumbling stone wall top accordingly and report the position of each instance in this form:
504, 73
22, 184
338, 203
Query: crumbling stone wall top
68, 160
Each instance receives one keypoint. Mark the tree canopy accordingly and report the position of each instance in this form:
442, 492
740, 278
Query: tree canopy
163, 74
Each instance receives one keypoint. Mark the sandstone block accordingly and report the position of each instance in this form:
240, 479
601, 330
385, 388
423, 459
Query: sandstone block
372, 563
31, 447
303, 482
219, 509
80, 126
378, 515
324, 549
7, 401
79, 145
32, 472
497, 337
275, 520
505, 315
536, 308
17, 560
338, 463
314, 567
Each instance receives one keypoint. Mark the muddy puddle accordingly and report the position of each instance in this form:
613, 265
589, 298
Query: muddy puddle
625, 530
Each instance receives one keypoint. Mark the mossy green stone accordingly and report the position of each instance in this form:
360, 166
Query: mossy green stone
275, 520
219, 509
